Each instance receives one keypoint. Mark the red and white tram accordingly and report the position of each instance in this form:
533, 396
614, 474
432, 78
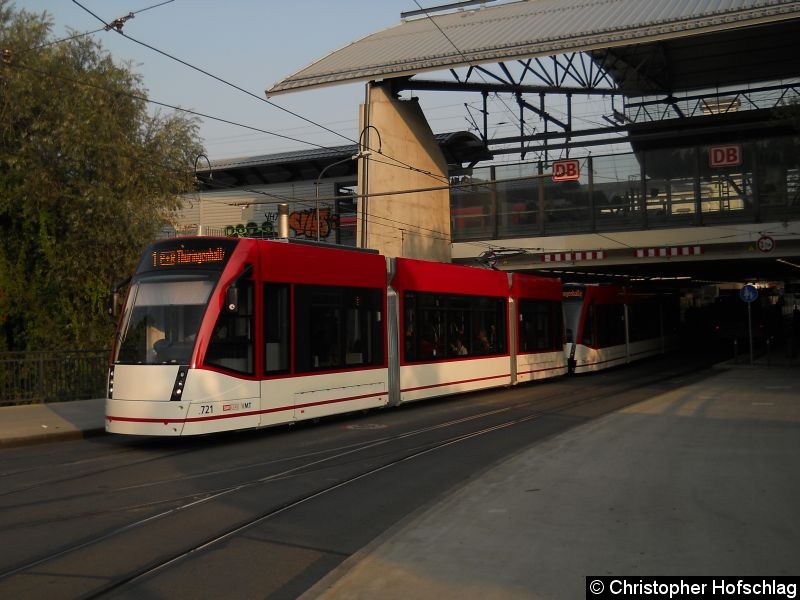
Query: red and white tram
220, 334
609, 326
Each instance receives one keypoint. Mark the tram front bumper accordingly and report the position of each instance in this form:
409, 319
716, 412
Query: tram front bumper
140, 417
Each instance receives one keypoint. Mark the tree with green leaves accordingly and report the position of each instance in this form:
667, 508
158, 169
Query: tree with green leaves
87, 178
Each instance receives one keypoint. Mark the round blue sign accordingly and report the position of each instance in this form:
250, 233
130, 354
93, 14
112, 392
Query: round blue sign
748, 293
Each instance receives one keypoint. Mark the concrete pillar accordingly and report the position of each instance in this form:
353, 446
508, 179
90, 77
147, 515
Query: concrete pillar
417, 224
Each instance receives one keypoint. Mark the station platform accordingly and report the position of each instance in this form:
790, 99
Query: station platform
702, 480
699, 480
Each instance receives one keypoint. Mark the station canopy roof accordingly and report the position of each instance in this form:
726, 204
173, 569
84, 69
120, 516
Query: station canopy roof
647, 46
458, 147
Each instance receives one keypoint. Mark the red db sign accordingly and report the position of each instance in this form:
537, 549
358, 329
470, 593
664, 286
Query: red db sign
566, 170
725, 156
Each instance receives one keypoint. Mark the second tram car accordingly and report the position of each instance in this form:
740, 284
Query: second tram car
220, 334
608, 325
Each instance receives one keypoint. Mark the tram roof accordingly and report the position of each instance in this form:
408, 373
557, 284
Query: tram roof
657, 45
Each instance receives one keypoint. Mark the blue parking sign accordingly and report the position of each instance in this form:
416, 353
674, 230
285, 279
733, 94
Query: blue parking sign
748, 293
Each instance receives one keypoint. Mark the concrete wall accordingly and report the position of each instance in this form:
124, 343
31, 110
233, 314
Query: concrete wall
415, 225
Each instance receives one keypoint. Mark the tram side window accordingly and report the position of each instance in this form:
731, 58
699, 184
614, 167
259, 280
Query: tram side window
276, 328
540, 326
440, 326
645, 320
459, 326
610, 324
337, 327
410, 339
231, 345
488, 326
430, 316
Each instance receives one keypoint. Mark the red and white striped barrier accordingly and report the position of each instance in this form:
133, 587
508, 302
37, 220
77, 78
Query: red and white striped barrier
574, 256
668, 251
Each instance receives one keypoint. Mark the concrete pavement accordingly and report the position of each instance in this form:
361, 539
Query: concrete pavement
700, 480
38, 423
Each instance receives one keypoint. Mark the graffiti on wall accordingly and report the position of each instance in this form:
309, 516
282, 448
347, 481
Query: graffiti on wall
302, 222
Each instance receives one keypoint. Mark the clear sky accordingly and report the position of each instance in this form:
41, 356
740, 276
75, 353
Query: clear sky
253, 45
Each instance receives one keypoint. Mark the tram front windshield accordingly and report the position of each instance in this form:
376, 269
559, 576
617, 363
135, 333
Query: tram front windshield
162, 318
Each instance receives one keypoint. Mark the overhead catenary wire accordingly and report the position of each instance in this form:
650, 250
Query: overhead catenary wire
105, 27
119, 30
396, 163
247, 92
66, 39
239, 88
373, 219
308, 202
202, 115
148, 100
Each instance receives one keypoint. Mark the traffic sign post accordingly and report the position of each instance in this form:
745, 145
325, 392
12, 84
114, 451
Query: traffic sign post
749, 294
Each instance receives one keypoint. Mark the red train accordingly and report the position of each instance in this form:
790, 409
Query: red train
221, 334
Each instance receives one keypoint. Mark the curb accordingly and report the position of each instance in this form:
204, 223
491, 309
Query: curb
57, 436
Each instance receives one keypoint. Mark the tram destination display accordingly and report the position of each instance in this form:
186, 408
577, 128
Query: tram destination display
169, 255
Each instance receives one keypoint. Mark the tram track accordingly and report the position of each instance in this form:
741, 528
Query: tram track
348, 456
327, 455
50, 467
300, 501
336, 452
537, 400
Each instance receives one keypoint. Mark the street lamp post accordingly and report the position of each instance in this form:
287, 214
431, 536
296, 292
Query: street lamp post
319, 177
363, 152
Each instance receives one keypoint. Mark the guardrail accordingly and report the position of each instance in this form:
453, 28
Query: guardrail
36, 377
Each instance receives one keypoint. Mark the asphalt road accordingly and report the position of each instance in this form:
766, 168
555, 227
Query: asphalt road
268, 513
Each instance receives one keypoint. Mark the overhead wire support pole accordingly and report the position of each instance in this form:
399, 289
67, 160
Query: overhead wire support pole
569, 122
521, 104
365, 164
199, 196
541, 103
485, 95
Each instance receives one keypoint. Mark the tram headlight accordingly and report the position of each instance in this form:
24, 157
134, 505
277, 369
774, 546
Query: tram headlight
180, 381
110, 382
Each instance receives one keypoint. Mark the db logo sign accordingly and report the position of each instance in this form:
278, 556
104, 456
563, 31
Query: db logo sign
725, 156
566, 170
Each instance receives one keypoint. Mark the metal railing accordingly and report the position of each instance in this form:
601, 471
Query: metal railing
36, 377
